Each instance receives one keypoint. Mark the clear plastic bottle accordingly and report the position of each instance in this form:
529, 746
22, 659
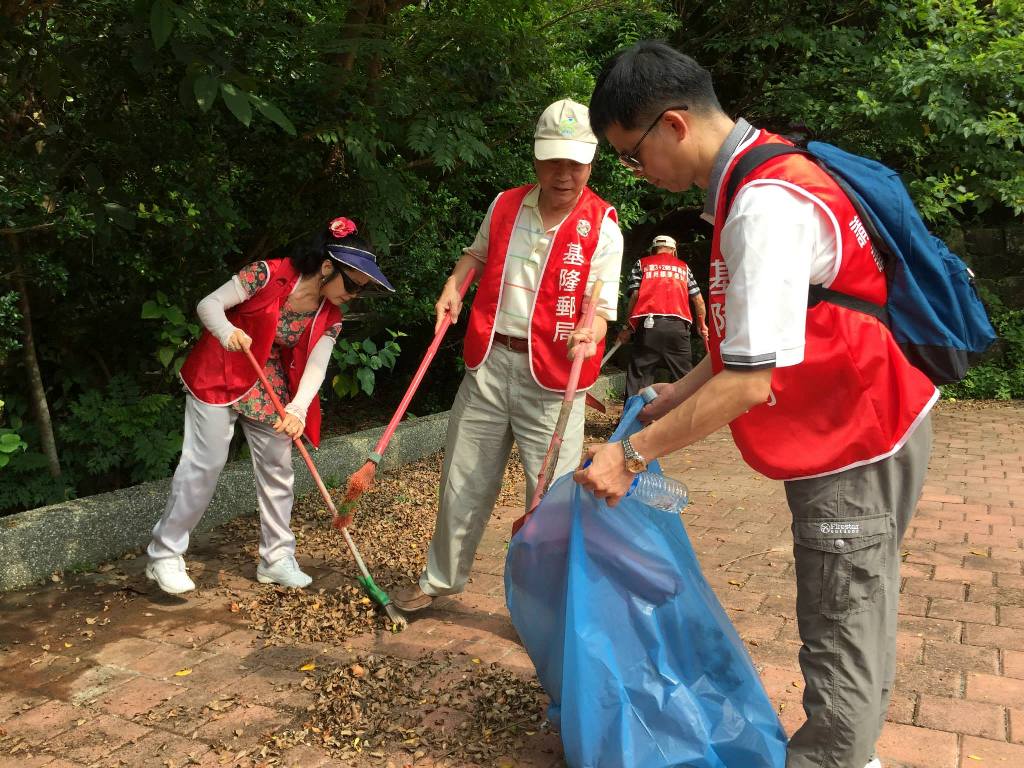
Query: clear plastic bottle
660, 492
656, 490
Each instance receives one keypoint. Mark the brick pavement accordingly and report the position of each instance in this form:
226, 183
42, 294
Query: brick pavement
87, 665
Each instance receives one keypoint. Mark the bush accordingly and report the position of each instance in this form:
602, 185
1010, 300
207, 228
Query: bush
1001, 374
118, 436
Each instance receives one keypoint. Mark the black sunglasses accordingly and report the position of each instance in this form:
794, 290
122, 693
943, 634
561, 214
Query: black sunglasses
629, 159
352, 288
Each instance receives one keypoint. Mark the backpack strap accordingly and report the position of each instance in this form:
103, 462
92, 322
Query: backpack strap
818, 293
758, 156
754, 159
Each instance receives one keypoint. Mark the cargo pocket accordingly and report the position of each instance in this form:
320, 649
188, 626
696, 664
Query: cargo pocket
840, 563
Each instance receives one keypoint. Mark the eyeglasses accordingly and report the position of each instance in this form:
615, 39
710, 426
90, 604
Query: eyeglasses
629, 159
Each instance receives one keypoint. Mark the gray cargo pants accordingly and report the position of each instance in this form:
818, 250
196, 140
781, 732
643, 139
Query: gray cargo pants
847, 529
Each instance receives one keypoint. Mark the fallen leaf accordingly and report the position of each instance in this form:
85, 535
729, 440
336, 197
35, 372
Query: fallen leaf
736, 583
183, 672
90, 620
307, 667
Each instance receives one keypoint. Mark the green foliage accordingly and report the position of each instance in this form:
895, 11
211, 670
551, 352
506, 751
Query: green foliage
10, 442
934, 89
24, 481
1001, 375
120, 434
176, 332
359, 362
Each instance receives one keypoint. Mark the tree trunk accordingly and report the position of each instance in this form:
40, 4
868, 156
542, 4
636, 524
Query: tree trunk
37, 393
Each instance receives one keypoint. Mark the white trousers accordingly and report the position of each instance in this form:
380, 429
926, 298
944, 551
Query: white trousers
208, 432
496, 404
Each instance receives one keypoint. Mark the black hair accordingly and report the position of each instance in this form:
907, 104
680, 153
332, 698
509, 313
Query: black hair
636, 84
309, 253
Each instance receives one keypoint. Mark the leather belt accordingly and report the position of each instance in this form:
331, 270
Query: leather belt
511, 342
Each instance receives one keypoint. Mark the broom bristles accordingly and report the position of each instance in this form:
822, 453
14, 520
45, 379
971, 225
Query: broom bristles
360, 481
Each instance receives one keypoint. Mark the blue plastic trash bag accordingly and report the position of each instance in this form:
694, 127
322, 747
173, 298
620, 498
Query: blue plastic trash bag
643, 668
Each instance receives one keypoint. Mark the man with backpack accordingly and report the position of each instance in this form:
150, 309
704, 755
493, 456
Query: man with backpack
658, 316
820, 396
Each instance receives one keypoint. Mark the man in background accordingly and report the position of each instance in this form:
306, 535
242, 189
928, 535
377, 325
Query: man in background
661, 289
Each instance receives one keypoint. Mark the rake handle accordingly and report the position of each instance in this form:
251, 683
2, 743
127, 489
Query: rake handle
297, 440
428, 357
547, 469
610, 352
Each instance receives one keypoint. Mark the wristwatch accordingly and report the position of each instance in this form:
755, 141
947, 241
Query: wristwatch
635, 463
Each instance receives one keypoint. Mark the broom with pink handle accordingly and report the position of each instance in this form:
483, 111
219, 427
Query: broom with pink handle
365, 579
547, 467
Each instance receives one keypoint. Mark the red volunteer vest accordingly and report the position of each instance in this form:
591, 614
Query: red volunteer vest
854, 399
558, 303
215, 376
663, 288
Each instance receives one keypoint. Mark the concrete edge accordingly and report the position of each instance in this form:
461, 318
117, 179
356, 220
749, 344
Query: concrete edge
81, 533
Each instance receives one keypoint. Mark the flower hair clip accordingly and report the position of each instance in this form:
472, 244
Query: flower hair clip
342, 227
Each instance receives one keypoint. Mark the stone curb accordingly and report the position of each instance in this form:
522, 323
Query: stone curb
82, 533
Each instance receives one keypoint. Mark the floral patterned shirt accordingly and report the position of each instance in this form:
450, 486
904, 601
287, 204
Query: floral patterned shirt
255, 404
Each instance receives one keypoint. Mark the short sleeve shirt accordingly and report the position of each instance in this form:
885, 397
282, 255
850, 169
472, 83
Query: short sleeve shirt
775, 242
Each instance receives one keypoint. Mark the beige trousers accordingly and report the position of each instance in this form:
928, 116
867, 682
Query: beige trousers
496, 404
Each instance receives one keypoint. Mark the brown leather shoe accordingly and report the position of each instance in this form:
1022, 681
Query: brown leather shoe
411, 599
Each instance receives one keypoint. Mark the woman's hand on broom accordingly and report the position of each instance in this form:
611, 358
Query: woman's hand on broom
291, 425
238, 340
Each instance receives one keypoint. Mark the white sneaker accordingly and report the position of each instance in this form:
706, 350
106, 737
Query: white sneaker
876, 763
285, 572
169, 574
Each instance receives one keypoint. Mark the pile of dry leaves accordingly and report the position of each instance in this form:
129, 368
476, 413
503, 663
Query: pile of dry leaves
448, 706
321, 616
394, 521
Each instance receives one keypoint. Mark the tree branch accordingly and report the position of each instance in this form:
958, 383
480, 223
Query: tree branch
7, 231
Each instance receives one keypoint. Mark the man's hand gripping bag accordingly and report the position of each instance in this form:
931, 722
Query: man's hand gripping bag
643, 668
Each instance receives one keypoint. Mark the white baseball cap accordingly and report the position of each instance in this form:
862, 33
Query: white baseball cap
563, 133
663, 241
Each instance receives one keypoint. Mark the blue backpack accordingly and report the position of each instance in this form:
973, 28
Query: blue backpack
933, 309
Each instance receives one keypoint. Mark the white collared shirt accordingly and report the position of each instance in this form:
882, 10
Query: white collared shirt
775, 242
527, 249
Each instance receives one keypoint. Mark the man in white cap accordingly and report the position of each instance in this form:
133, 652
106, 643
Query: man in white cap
539, 249
661, 289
